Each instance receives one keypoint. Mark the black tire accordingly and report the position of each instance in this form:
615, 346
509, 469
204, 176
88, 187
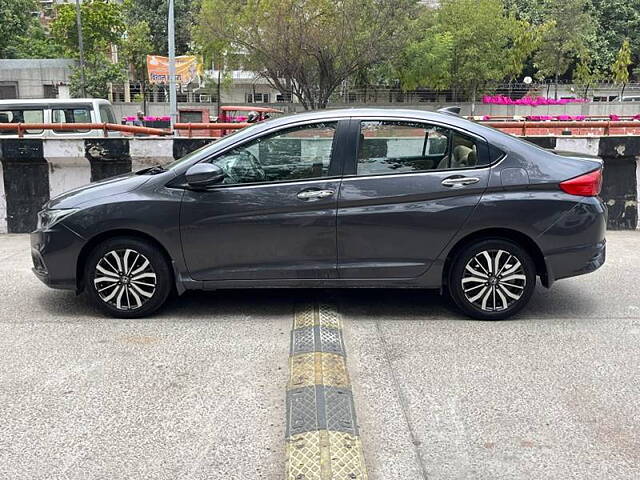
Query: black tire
496, 301
142, 293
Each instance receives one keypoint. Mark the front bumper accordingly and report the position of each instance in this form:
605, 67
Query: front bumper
55, 255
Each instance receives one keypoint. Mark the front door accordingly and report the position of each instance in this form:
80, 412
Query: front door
411, 188
274, 217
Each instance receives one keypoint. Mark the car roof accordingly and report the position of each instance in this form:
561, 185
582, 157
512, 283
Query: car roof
52, 101
422, 115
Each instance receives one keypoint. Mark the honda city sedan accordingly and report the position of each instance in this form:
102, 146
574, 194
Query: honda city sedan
343, 198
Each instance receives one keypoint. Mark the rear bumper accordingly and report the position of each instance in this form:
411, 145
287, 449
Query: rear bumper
54, 254
576, 261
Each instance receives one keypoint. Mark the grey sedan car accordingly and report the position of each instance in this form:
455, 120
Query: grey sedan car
344, 198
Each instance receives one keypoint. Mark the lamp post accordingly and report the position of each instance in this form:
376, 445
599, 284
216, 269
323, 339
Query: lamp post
81, 48
173, 105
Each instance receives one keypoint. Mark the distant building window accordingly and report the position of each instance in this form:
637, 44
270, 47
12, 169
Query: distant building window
50, 91
280, 98
257, 98
8, 90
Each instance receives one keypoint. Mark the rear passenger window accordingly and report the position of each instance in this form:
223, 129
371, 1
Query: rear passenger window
21, 116
71, 115
388, 147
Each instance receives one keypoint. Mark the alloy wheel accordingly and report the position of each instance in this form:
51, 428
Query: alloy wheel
493, 280
125, 279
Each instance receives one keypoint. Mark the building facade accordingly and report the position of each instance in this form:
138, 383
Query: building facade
35, 78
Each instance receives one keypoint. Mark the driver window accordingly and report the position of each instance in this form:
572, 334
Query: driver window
292, 154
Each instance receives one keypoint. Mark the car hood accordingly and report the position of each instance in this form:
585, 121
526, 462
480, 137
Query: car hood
103, 188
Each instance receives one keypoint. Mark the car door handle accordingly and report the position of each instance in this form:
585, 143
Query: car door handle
459, 181
315, 194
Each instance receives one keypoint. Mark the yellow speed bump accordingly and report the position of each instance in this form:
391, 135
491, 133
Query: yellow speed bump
322, 433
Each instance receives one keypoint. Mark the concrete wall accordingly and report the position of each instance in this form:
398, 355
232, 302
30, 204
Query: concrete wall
617, 108
34, 170
31, 75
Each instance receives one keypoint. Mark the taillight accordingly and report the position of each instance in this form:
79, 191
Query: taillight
587, 185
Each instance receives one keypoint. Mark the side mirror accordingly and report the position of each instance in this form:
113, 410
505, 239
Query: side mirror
204, 175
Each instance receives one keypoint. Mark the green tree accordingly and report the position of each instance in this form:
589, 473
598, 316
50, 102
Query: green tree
156, 13
33, 43
620, 68
16, 16
585, 75
617, 20
305, 48
135, 48
99, 72
103, 25
470, 44
570, 26
531, 11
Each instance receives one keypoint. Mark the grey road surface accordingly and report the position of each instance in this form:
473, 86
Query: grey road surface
198, 390
552, 394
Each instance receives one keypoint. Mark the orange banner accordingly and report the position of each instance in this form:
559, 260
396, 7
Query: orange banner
188, 69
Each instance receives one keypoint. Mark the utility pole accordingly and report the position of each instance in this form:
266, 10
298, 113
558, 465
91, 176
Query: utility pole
173, 105
81, 48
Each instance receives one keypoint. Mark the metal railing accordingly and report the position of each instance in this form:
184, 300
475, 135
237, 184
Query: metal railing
516, 127
22, 128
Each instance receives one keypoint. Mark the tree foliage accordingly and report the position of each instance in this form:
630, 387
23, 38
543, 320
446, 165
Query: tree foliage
305, 48
620, 68
617, 20
586, 74
570, 25
99, 72
136, 45
155, 13
469, 44
16, 16
102, 25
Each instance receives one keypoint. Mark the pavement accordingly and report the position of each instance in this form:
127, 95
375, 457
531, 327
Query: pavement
198, 391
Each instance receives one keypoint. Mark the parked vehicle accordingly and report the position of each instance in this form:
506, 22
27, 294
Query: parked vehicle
239, 114
343, 198
52, 110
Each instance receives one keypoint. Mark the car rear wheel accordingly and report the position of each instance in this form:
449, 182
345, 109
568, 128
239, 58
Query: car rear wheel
127, 277
492, 279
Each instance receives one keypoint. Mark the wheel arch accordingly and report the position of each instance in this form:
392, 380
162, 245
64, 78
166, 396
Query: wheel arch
123, 232
515, 236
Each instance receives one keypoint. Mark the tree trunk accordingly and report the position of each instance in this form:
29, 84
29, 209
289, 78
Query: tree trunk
556, 86
622, 92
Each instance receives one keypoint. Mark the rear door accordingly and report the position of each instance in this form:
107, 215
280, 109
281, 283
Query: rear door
410, 186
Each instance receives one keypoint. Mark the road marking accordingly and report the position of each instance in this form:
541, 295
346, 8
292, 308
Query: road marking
322, 440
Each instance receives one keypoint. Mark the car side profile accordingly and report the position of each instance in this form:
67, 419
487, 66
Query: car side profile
344, 198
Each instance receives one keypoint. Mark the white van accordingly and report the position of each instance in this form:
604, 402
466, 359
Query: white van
52, 110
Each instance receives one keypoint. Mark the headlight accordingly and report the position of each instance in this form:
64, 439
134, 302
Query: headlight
48, 218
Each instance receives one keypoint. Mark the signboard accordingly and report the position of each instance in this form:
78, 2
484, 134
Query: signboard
188, 69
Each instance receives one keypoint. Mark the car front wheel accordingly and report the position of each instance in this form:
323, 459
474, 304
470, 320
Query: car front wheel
492, 279
127, 277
